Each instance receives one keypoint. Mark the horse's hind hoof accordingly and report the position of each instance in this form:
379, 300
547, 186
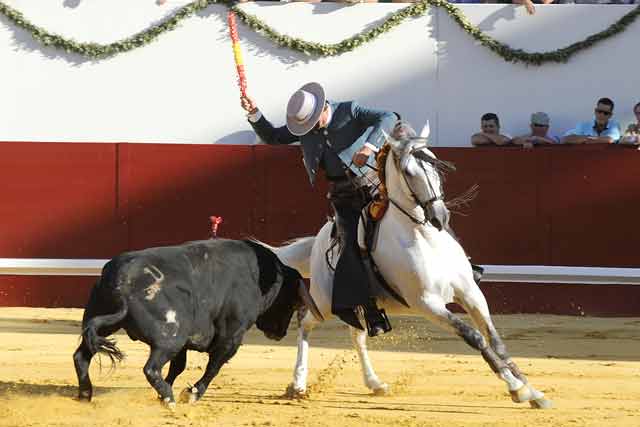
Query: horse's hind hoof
381, 390
541, 403
189, 395
294, 393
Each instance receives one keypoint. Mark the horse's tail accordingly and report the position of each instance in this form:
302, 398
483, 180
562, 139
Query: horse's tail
295, 253
99, 344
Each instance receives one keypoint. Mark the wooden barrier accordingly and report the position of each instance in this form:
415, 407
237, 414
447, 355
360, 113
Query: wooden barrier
559, 205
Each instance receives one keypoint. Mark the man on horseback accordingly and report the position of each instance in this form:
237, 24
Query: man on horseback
340, 138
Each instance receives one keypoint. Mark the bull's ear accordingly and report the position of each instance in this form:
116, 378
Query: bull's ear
306, 297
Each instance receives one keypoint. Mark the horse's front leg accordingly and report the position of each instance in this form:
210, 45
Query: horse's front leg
298, 387
475, 304
371, 380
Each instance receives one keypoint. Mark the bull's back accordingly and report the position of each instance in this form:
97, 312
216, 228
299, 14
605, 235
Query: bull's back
178, 291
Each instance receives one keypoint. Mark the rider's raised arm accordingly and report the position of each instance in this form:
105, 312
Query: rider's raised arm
266, 131
272, 135
382, 122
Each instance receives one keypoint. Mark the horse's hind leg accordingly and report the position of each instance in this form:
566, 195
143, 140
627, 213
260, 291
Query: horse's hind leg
475, 304
298, 387
371, 380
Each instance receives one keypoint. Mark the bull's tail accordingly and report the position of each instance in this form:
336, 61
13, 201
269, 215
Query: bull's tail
99, 344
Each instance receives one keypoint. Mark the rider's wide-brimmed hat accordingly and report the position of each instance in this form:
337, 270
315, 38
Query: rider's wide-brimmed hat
304, 108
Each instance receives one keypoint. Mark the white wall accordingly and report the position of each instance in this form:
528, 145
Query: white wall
181, 88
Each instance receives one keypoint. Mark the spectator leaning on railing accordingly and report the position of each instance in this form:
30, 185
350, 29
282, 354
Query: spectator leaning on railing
490, 132
539, 134
602, 130
632, 134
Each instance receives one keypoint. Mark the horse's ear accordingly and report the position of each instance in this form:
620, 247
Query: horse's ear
426, 130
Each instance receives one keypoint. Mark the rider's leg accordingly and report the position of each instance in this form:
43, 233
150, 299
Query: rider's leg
351, 285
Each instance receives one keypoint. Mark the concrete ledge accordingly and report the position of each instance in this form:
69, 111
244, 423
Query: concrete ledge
493, 273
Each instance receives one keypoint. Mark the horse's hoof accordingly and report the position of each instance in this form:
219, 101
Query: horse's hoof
541, 403
381, 390
189, 395
523, 394
294, 393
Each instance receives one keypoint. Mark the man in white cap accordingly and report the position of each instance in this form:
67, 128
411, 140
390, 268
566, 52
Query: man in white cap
340, 138
539, 132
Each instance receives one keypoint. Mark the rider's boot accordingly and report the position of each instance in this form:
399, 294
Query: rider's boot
376, 320
477, 273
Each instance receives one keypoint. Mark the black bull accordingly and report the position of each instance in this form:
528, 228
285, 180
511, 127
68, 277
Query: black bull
199, 296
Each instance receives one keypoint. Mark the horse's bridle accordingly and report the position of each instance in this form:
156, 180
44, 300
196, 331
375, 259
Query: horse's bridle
423, 205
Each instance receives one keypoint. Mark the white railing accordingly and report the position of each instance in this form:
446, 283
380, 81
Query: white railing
493, 273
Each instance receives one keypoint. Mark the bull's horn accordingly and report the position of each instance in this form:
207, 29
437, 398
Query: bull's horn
306, 297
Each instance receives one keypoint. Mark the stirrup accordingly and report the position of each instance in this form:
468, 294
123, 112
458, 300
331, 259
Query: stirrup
381, 325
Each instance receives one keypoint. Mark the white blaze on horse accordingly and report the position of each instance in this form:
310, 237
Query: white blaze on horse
420, 260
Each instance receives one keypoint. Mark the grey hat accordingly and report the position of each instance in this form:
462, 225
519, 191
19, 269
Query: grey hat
304, 108
540, 118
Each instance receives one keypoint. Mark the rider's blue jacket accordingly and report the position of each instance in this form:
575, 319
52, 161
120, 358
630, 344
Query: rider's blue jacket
333, 147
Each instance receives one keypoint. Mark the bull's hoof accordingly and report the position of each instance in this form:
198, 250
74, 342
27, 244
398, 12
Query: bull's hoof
84, 396
294, 393
541, 403
169, 403
189, 395
381, 390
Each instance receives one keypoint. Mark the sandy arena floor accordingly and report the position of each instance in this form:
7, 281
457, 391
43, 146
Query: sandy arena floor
589, 367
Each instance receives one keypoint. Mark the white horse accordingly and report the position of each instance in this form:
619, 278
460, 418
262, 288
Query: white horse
421, 261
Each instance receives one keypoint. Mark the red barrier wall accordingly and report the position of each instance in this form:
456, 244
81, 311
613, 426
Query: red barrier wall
550, 206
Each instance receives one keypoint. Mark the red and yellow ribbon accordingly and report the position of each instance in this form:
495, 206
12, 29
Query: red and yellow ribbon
237, 53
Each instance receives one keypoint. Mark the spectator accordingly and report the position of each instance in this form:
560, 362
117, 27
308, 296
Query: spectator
632, 134
602, 130
539, 134
490, 132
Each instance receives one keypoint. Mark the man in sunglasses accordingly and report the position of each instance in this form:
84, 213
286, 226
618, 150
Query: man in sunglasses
539, 132
339, 138
602, 130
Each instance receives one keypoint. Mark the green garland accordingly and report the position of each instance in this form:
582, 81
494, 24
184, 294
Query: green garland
96, 50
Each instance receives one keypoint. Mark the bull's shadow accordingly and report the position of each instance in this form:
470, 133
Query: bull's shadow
21, 388
39, 326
